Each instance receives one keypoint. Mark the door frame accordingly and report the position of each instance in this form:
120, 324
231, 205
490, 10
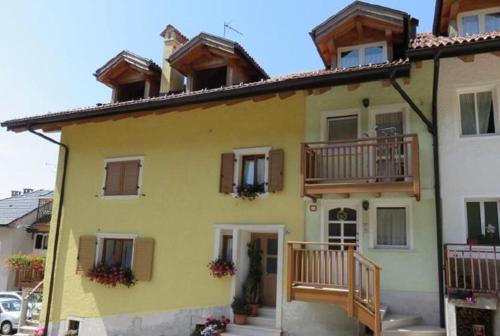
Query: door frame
239, 230
383, 109
329, 204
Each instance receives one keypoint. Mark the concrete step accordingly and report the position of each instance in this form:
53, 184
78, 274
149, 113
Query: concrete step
416, 330
267, 312
250, 330
262, 321
384, 309
394, 321
34, 323
28, 330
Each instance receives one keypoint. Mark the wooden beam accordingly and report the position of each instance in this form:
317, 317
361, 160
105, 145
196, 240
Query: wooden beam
467, 58
284, 95
377, 194
320, 91
419, 64
359, 29
353, 87
496, 53
406, 81
264, 97
386, 83
345, 195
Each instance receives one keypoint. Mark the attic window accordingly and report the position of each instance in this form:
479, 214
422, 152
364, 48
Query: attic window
131, 91
209, 78
374, 53
481, 21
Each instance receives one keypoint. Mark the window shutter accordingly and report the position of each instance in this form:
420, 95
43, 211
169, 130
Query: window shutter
276, 165
226, 173
113, 179
131, 177
143, 259
86, 254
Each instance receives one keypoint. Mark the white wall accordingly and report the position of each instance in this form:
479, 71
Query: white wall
470, 167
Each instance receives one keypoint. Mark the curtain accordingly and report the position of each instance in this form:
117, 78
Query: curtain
342, 128
485, 113
493, 22
470, 25
391, 227
467, 108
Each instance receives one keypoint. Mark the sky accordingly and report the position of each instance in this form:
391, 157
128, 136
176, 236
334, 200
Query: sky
49, 50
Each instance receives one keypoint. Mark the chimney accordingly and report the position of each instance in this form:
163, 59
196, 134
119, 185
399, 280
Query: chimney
14, 193
27, 190
171, 79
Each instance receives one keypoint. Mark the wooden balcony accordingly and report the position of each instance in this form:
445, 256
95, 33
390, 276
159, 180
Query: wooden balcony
28, 277
335, 274
472, 268
367, 165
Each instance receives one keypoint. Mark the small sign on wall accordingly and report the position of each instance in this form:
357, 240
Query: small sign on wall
313, 208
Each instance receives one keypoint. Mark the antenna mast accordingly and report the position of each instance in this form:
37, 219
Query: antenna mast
228, 27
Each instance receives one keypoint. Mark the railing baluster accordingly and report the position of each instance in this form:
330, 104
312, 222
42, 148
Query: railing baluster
479, 270
473, 278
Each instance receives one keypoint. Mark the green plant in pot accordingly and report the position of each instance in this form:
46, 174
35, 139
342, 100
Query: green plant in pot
240, 310
253, 284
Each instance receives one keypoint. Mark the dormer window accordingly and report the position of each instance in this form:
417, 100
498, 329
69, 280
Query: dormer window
476, 22
373, 53
209, 78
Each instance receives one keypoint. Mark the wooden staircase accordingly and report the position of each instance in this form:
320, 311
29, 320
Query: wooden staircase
337, 274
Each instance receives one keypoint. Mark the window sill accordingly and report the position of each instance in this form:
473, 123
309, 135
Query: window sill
260, 195
121, 197
478, 136
406, 249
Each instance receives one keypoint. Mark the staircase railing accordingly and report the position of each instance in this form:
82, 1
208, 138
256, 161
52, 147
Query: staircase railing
335, 269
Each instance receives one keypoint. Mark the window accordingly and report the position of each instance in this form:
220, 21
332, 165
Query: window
392, 227
254, 167
482, 219
122, 177
477, 113
209, 78
342, 128
482, 21
11, 306
342, 227
41, 241
131, 91
362, 55
117, 252
73, 327
227, 247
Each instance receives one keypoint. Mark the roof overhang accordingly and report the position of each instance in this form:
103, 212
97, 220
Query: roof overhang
207, 44
55, 121
124, 62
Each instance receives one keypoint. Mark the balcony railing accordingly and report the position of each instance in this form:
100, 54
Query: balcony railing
28, 277
44, 211
472, 268
372, 165
337, 274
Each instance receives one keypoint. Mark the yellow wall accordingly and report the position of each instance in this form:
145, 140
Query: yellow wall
181, 204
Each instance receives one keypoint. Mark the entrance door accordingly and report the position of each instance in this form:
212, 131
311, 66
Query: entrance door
268, 244
390, 157
342, 226
339, 160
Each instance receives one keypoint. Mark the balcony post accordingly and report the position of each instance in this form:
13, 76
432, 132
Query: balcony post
303, 169
291, 271
350, 281
416, 166
376, 301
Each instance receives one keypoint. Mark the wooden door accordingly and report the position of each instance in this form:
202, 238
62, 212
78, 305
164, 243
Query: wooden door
268, 244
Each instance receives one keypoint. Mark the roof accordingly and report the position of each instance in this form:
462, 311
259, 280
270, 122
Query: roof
360, 8
15, 207
220, 42
131, 58
297, 81
427, 43
181, 37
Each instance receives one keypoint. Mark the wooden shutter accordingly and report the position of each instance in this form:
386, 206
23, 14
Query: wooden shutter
131, 177
226, 173
143, 259
276, 165
113, 184
86, 254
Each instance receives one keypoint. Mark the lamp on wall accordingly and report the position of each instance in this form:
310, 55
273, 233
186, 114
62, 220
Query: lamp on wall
366, 205
366, 102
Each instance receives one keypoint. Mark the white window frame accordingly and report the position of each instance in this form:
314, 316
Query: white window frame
361, 48
139, 182
45, 236
239, 153
481, 14
389, 203
475, 90
100, 244
481, 201
327, 205
335, 114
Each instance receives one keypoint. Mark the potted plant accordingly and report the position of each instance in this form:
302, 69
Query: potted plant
214, 326
253, 283
221, 267
110, 276
249, 191
240, 310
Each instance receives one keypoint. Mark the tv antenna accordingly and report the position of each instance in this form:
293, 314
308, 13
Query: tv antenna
228, 27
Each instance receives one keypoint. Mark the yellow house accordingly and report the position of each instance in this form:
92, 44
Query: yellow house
194, 160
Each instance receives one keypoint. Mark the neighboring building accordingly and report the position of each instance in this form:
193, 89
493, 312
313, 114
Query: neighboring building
468, 44
24, 228
341, 160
